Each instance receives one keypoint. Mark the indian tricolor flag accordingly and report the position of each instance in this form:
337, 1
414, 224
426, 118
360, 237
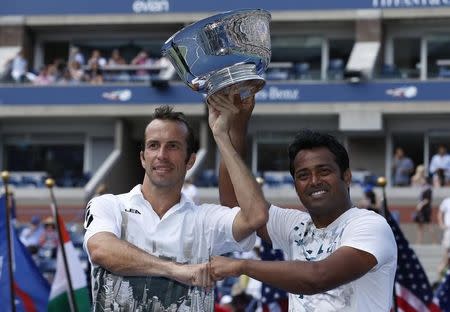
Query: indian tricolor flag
59, 300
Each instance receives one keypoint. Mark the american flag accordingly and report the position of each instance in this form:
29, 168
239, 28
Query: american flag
442, 294
413, 292
273, 299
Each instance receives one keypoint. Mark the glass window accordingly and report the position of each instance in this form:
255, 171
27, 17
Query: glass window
439, 56
299, 49
273, 157
412, 145
64, 163
439, 140
407, 57
339, 53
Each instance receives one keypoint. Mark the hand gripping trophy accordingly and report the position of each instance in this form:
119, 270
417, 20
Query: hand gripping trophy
225, 53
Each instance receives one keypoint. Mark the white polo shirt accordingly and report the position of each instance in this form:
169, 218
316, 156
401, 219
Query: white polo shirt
187, 233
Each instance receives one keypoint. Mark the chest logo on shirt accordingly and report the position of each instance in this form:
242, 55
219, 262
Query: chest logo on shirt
315, 244
132, 211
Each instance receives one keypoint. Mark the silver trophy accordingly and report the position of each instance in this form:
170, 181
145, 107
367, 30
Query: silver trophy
224, 53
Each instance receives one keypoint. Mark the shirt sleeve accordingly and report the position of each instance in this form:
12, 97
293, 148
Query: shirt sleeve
444, 205
282, 222
219, 225
102, 215
372, 234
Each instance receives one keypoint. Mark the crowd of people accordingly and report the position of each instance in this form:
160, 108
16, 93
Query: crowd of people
95, 69
404, 173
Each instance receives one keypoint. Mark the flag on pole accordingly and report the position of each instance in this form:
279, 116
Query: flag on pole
273, 299
442, 294
413, 292
59, 300
31, 288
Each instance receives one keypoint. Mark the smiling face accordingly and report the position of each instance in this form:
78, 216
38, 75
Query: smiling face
320, 185
164, 157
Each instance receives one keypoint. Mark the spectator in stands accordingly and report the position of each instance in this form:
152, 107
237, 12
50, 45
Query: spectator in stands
130, 237
116, 59
19, 67
339, 257
420, 177
142, 59
66, 78
31, 234
75, 55
440, 167
95, 74
76, 72
49, 237
402, 167
422, 215
444, 223
46, 76
96, 59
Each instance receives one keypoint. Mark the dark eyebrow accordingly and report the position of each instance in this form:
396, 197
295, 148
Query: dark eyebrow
175, 142
320, 166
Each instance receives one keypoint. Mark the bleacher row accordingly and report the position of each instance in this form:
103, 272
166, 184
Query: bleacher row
209, 178
37, 180
206, 178
336, 70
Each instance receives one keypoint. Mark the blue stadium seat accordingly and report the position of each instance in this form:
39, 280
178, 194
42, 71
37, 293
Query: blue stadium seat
302, 70
444, 72
277, 74
30, 181
390, 71
336, 69
207, 178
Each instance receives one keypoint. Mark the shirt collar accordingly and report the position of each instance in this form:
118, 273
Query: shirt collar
136, 194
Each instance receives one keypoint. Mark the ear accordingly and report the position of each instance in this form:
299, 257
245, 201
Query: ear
141, 156
191, 161
348, 177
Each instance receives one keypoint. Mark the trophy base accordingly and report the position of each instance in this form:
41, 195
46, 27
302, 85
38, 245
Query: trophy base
239, 79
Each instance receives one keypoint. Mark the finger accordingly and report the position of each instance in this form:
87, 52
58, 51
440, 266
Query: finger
225, 103
227, 107
217, 98
237, 101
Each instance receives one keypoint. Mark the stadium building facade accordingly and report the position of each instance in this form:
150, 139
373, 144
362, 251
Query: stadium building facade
375, 73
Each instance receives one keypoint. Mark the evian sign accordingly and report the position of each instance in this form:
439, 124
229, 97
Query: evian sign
150, 6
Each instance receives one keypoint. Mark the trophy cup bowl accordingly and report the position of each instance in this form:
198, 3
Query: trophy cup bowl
225, 53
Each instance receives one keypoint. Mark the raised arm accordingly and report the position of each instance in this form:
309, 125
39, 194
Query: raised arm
254, 207
125, 259
238, 135
300, 277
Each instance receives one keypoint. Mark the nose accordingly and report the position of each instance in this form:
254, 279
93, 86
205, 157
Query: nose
315, 179
162, 152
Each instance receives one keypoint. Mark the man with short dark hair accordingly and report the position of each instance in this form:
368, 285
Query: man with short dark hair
147, 246
340, 258
402, 167
440, 167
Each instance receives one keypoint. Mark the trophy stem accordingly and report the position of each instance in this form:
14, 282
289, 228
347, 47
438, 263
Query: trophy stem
237, 79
